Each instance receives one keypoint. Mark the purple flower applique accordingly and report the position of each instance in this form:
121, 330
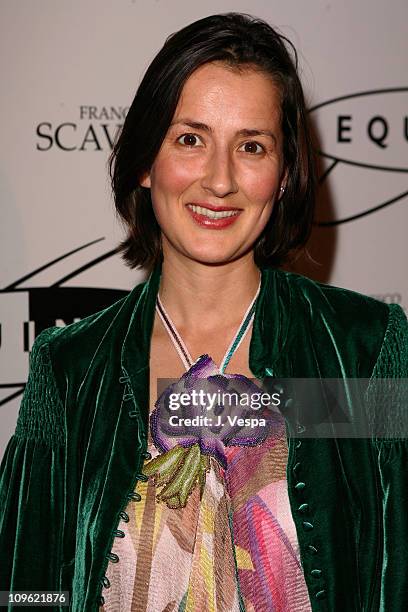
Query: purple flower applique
197, 417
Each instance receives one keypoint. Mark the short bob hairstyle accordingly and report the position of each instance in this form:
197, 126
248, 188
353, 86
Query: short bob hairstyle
241, 41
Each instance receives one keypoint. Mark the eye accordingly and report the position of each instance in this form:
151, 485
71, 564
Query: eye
190, 140
250, 147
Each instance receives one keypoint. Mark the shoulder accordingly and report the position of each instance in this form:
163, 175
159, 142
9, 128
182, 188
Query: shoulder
332, 300
343, 306
70, 350
348, 318
59, 354
82, 338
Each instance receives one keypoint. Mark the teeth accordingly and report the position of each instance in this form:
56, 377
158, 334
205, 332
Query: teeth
211, 213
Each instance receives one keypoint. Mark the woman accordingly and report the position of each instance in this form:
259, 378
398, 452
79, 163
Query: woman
97, 497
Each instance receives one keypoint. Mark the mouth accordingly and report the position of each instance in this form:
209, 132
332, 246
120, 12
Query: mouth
213, 212
209, 219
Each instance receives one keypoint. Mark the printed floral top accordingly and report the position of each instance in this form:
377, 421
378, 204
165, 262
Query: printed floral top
235, 549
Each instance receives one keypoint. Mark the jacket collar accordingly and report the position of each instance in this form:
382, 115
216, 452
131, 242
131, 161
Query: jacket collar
269, 333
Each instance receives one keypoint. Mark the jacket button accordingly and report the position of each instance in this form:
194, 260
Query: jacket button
106, 582
298, 444
296, 467
316, 573
101, 600
300, 428
124, 516
134, 496
303, 508
307, 526
300, 485
312, 549
113, 557
320, 594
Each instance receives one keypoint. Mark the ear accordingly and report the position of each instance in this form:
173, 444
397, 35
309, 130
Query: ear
145, 180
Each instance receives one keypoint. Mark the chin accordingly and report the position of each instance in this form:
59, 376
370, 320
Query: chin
213, 259
204, 251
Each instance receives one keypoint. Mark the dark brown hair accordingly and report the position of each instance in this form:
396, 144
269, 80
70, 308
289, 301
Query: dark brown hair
241, 41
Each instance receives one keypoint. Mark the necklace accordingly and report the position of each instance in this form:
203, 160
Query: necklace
181, 347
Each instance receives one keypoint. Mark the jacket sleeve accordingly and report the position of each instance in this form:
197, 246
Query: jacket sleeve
32, 482
392, 457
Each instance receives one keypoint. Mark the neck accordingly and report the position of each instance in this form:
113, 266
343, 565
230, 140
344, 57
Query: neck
207, 297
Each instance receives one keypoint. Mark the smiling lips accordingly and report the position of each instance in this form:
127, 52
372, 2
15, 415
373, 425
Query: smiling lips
213, 218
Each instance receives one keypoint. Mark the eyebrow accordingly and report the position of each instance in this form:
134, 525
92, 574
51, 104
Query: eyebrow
197, 125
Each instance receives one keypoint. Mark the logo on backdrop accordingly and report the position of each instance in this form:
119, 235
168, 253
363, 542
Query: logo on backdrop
94, 128
369, 131
26, 311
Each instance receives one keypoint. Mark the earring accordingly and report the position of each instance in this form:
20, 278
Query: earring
282, 189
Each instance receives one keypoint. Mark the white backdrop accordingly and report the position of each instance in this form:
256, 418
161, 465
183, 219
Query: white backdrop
70, 70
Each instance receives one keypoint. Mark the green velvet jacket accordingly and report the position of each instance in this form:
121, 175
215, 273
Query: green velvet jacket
70, 468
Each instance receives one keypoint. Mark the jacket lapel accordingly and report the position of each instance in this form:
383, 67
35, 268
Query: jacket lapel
135, 352
271, 323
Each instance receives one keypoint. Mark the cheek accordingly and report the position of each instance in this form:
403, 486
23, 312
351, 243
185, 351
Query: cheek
262, 187
169, 178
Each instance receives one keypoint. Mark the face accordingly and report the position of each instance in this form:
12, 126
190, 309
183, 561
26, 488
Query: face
223, 150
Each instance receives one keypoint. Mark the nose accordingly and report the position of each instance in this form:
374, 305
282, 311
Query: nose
219, 174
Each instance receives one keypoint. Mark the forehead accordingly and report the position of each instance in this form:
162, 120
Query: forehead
220, 91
